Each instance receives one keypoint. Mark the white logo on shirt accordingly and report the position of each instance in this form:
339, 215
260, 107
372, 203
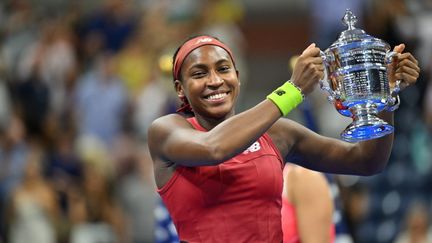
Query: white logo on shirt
253, 148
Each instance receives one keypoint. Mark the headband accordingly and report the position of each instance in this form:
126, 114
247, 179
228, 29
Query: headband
193, 44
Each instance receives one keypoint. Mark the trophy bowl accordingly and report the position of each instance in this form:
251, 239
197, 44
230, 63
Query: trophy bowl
357, 81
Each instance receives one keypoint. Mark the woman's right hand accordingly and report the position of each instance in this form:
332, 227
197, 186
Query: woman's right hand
308, 69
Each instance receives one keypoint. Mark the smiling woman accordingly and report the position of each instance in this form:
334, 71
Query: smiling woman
220, 173
210, 81
223, 81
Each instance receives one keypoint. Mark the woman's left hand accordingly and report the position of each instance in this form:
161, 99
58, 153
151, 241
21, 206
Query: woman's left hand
404, 68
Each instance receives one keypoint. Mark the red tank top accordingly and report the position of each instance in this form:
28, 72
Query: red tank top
237, 201
289, 222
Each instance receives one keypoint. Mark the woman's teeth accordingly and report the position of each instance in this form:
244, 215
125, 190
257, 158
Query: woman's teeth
216, 96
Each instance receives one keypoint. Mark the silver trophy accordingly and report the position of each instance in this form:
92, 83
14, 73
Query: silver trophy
357, 81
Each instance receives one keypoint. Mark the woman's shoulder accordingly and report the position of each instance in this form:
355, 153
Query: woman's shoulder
166, 124
170, 120
304, 175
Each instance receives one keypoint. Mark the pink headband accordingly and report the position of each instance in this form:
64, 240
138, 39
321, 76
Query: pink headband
193, 44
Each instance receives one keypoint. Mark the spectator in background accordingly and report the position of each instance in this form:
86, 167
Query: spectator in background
18, 30
156, 99
51, 60
31, 99
14, 151
417, 227
356, 200
114, 23
94, 211
307, 206
101, 101
34, 211
134, 64
135, 189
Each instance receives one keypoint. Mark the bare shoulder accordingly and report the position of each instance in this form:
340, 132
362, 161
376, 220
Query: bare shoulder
164, 124
307, 183
161, 128
305, 176
159, 133
167, 122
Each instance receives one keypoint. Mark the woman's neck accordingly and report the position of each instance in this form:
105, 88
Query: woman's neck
209, 123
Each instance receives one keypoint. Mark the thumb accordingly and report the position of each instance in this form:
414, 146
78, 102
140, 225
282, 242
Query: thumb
309, 47
399, 48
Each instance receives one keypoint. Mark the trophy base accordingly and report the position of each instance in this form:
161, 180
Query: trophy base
366, 124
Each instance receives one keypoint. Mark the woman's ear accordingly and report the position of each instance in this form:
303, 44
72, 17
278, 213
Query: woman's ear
238, 76
179, 89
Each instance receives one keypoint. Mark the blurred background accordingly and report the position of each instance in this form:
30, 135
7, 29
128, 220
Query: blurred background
81, 81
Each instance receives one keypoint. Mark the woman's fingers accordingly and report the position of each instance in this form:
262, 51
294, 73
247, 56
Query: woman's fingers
407, 69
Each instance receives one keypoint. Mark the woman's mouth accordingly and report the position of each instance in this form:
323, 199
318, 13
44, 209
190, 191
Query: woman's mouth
216, 97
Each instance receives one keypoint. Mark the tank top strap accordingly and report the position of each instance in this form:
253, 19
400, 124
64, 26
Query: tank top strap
194, 122
275, 149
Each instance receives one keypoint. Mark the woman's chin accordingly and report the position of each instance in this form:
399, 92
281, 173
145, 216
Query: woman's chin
220, 112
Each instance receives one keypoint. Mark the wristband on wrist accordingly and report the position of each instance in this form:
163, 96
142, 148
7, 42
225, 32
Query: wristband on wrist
286, 97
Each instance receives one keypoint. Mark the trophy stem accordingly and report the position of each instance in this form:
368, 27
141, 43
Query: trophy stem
366, 124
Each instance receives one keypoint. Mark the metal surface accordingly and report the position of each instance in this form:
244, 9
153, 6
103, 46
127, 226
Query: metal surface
356, 79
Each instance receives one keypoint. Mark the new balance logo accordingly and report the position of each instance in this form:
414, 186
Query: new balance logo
280, 92
204, 40
253, 148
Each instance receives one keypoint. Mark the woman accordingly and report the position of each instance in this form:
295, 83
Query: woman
307, 206
220, 173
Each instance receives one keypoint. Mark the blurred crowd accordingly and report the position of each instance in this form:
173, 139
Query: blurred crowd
80, 84
81, 81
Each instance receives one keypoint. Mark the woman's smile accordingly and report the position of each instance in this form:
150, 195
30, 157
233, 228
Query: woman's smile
216, 97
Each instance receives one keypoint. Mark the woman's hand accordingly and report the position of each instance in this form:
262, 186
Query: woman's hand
308, 69
404, 68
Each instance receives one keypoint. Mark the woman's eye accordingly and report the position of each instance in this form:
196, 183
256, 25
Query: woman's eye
224, 69
198, 74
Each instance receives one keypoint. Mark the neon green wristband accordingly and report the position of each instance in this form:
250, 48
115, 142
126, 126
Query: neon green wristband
286, 97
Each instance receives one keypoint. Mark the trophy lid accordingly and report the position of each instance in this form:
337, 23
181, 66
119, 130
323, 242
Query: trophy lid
352, 34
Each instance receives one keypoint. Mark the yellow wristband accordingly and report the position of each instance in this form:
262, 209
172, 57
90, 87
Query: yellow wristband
286, 97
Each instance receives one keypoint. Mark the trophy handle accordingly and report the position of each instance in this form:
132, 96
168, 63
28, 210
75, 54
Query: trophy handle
393, 101
389, 59
324, 83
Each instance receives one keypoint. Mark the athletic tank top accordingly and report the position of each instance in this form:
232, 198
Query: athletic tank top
289, 222
237, 201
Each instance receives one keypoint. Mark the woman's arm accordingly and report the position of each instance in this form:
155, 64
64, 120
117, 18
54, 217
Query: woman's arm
330, 155
172, 138
310, 195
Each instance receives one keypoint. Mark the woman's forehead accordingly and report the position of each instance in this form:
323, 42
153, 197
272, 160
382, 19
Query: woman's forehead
206, 53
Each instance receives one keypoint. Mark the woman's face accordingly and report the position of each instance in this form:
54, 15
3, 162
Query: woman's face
210, 82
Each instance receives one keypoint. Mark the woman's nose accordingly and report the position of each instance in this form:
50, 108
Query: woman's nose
215, 80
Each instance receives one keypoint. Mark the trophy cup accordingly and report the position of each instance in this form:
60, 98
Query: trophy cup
355, 76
